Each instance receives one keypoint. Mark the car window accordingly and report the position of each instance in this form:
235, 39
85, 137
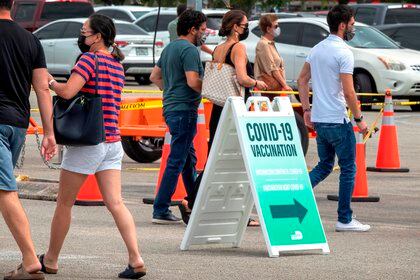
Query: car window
63, 10
366, 15
106, 12
312, 35
120, 15
129, 29
402, 16
72, 30
214, 22
370, 38
148, 23
52, 31
138, 14
389, 32
25, 11
257, 31
408, 37
289, 33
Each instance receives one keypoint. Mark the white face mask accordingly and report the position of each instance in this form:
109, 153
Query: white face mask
277, 32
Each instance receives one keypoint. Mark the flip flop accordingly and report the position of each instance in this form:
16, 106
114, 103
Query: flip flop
185, 212
133, 273
253, 223
44, 268
21, 274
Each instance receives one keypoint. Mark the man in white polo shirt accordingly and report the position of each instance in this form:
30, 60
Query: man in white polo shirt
330, 66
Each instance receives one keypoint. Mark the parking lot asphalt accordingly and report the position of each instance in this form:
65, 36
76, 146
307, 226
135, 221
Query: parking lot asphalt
94, 249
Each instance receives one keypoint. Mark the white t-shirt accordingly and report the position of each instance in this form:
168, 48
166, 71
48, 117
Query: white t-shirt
329, 59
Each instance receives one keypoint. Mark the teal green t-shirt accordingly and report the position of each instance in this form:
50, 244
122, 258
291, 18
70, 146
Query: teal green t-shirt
177, 58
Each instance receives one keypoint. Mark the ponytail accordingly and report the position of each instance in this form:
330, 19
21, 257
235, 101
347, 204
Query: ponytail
117, 53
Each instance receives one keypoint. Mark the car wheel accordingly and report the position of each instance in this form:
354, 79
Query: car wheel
143, 80
145, 150
415, 108
363, 84
303, 132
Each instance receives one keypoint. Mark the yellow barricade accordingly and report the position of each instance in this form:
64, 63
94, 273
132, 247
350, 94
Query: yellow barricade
141, 105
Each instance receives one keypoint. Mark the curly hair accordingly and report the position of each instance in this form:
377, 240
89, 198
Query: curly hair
338, 14
189, 19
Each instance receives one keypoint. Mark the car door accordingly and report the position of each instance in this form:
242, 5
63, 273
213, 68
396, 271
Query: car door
311, 35
66, 50
48, 37
286, 46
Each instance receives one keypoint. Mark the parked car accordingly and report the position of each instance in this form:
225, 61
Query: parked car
283, 15
32, 14
214, 21
378, 14
405, 34
380, 63
59, 40
125, 13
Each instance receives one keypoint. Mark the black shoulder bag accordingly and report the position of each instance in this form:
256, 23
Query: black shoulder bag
79, 121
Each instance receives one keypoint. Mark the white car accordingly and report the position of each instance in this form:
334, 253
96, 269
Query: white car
59, 40
214, 21
124, 13
380, 63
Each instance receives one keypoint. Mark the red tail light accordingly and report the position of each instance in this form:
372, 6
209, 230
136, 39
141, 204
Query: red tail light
121, 44
410, 6
159, 44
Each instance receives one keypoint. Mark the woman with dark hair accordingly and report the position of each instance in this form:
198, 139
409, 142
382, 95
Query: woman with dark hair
235, 29
104, 160
269, 65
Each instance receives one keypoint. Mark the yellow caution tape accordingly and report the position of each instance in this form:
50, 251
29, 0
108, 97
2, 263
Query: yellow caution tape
141, 105
310, 93
142, 169
140, 91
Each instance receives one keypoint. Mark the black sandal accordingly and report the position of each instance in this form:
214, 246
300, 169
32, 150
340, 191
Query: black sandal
133, 273
44, 268
185, 213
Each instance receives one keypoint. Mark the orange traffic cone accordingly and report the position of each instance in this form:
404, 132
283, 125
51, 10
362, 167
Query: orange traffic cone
388, 157
360, 190
200, 145
89, 194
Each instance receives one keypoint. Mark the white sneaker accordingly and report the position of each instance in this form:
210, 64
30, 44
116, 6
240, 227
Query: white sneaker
354, 225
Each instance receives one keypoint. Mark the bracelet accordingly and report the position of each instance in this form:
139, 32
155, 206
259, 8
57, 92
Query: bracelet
51, 82
357, 120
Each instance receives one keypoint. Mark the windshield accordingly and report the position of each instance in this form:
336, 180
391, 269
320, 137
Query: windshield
369, 38
138, 14
129, 29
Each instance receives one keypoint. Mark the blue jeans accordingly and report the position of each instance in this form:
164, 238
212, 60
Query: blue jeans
11, 142
182, 159
332, 139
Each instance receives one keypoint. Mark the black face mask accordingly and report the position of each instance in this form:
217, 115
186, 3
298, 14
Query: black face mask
81, 43
349, 34
244, 35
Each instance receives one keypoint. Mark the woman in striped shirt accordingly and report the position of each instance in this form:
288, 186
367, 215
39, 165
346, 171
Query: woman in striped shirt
103, 160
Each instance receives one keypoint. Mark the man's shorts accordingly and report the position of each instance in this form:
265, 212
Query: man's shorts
93, 159
11, 142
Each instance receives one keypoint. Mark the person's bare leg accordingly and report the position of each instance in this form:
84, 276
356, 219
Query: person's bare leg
15, 217
110, 185
70, 184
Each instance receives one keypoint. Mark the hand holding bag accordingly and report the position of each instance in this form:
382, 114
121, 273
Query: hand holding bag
79, 121
220, 82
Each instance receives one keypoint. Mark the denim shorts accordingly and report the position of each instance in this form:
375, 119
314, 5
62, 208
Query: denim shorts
92, 159
11, 142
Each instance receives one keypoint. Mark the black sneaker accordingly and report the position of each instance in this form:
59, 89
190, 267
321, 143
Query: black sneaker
167, 219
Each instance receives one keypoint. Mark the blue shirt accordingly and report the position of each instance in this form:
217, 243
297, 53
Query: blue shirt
178, 57
328, 59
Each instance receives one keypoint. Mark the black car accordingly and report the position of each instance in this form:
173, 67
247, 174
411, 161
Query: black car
408, 35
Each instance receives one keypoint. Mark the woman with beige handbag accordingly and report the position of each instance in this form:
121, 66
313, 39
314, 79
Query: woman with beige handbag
269, 65
229, 54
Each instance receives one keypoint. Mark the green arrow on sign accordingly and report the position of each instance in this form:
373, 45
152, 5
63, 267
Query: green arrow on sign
295, 210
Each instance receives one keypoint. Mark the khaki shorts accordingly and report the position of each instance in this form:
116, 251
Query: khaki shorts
93, 159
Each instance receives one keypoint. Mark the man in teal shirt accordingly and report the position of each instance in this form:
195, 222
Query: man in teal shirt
178, 73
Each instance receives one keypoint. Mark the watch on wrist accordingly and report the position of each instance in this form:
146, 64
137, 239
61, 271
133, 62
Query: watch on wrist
358, 119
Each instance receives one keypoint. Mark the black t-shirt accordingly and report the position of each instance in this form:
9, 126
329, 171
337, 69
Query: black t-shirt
20, 53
